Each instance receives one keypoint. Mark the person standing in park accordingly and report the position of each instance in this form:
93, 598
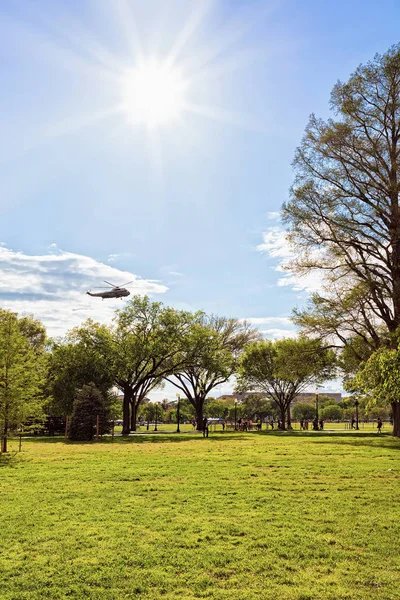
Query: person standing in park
205, 427
301, 423
379, 425
353, 423
321, 424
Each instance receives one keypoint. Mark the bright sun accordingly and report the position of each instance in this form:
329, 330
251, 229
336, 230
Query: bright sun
153, 94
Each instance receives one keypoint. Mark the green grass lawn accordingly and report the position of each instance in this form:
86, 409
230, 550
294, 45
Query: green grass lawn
295, 516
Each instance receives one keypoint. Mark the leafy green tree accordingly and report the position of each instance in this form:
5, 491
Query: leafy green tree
257, 405
380, 379
215, 408
82, 358
186, 412
285, 368
210, 356
331, 412
344, 207
22, 365
146, 347
378, 412
303, 410
88, 405
150, 410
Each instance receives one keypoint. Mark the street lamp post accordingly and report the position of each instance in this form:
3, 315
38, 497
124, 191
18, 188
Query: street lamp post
316, 410
356, 404
178, 414
236, 414
155, 424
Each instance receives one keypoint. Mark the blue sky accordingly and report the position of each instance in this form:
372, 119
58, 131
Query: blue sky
189, 206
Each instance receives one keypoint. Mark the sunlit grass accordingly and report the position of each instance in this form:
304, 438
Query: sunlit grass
297, 516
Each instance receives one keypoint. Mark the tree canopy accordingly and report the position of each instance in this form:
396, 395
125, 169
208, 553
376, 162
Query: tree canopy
22, 370
344, 213
284, 368
210, 354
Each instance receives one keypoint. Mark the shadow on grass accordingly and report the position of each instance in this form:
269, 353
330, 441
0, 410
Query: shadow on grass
350, 438
8, 459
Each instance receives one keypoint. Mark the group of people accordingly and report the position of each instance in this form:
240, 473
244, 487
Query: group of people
316, 424
247, 424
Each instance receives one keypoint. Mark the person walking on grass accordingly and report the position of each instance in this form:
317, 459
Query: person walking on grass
205, 427
379, 425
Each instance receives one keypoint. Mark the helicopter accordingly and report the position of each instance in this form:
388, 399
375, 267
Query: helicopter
117, 291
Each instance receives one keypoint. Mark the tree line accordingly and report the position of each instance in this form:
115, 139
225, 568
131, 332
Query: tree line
146, 345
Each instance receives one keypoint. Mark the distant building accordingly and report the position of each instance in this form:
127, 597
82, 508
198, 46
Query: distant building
309, 397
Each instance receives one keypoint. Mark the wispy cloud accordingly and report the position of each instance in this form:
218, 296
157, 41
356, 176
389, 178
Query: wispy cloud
269, 321
273, 328
176, 273
278, 334
273, 215
53, 286
112, 258
276, 245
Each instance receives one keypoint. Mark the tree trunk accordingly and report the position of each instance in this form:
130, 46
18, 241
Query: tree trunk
4, 439
126, 413
289, 418
283, 416
396, 418
199, 414
134, 408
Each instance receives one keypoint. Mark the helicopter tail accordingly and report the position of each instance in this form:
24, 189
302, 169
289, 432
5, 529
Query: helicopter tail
89, 294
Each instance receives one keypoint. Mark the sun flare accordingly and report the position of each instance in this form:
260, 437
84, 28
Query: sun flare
153, 94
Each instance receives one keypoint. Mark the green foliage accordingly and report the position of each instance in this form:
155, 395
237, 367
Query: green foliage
324, 400
256, 405
150, 410
284, 368
344, 217
22, 369
303, 410
379, 378
146, 346
88, 404
331, 412
237, 516
83, 358
210, 356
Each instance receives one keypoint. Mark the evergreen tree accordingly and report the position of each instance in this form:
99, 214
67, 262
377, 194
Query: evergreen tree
88, 404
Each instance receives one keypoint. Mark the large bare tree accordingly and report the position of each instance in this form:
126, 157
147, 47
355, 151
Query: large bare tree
344, 208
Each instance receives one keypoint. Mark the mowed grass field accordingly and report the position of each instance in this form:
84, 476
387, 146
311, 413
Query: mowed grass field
297, 516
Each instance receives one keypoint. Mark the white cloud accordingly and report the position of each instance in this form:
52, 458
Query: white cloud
53, 287
273, 216
276, 245
273, 328
112, 258
278, 334
269, 321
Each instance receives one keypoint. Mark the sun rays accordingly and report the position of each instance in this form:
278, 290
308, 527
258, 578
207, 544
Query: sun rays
168, 87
